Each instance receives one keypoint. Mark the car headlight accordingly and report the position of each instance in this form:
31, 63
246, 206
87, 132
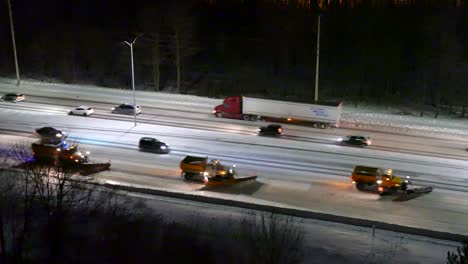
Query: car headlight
113, 108
205, 174
163, 147
58, 135
258, 130
379, 181
214, 111
340, 139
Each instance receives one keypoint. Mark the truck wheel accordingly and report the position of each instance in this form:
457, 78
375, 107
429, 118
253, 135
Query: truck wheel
323, 126
187, 176
219, 115
316, 125
246, 117
360, 186
253, 118
404, 186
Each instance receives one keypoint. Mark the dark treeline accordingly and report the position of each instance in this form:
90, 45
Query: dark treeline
400, 51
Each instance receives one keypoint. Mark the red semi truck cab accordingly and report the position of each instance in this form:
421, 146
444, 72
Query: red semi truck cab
231, 107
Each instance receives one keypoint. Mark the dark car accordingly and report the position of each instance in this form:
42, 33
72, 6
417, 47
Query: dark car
270, 130
126, 109
153, 145
361, 141
47, 132
13, 97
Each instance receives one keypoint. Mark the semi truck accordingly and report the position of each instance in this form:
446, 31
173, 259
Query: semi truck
321, 115
211, 173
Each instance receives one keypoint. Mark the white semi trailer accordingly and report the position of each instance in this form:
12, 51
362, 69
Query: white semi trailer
248, 108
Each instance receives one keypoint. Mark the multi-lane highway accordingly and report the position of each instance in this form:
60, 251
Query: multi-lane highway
305, 168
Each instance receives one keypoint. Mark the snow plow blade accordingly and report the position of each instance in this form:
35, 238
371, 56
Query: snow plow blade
413, 193
86, 169
218, 181
420, 189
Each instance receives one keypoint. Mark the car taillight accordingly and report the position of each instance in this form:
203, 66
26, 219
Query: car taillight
280, 130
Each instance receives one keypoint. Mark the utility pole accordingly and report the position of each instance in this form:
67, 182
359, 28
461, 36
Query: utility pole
14, 44
133, 78
317, 61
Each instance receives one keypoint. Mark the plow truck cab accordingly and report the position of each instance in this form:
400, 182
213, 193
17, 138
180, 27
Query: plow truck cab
63, 152
376, 179
199, 169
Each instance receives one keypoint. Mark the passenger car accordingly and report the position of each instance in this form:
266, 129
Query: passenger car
49, 132
153, 145
13, 97
82, 110
126, 109
270, 130
361, 141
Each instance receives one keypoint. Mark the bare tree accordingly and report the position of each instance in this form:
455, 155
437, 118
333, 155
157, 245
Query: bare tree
273, 239
49, 192
184, 37
460, 257
154, 30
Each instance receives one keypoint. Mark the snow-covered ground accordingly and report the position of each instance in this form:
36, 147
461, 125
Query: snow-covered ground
325, 242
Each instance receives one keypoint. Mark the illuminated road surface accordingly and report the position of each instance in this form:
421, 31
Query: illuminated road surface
304, 169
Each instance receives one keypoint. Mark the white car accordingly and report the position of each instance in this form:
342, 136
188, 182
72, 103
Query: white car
82, 110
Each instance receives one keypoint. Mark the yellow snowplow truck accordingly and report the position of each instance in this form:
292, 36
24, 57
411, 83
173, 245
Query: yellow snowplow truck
366, 178
383, 182
210, 173
65, 154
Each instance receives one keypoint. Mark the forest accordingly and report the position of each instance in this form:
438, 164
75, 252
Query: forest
405, 52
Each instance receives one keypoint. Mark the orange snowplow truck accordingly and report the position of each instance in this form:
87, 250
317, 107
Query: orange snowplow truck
211, 173
66, 153
198, 168
367, 178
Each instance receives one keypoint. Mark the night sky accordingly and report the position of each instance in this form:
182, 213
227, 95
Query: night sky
237, 46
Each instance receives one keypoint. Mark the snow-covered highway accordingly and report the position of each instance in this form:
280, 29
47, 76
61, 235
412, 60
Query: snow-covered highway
304, 169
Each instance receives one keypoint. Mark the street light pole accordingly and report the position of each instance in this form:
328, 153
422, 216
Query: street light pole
317, 61
133, 79
14, 44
